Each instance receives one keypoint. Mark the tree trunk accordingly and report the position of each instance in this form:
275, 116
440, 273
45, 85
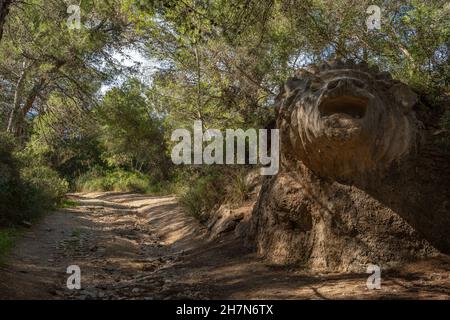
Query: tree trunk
20, 110
17, 99
4, 9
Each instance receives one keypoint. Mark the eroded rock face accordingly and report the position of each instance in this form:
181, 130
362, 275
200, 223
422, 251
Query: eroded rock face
354, 187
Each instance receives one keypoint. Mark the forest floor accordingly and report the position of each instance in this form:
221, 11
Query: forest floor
132, 246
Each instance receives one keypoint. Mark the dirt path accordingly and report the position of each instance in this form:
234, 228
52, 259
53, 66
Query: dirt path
143, 247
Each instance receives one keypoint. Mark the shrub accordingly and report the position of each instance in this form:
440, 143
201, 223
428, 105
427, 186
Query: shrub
7, 240
204, 190
116, 180
11, 188
46, 188
164, 187
238, 187
26, 188
203, 194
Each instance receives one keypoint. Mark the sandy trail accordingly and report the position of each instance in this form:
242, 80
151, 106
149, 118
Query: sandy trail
132, 246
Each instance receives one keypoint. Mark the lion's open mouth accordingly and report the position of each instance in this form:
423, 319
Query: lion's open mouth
354, 107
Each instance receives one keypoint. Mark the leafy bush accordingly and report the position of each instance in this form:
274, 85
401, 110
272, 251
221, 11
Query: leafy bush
69, 203
204, 190
7, 240
164, 187
116, 180
26, 188
11, 187
238, 186
47, 188
69, 147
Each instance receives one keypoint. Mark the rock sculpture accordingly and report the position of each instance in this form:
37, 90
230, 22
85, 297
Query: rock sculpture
354, 187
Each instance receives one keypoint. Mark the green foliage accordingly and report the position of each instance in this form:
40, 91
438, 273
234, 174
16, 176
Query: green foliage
239, 188
48, 57
8, 237
47, 188
202, 196
70, 147
117, 147
11, 186
121, 134
116, 180
99, 179
164, 187
203, 189
26, 189
69, 203
131, 134
224, 60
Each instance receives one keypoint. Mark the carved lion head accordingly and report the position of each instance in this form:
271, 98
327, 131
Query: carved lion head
344, 119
